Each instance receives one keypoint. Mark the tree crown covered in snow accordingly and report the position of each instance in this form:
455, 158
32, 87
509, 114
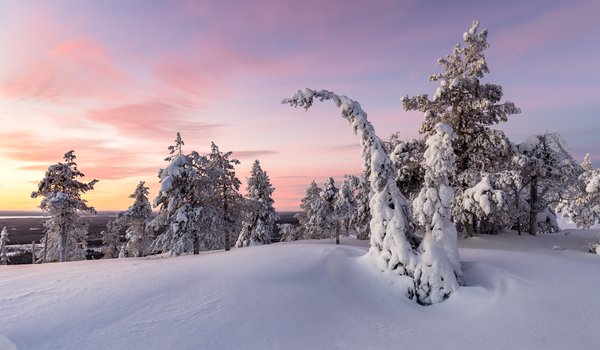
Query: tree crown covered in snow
258, 213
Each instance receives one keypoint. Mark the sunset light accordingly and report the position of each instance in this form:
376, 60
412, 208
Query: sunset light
116, 80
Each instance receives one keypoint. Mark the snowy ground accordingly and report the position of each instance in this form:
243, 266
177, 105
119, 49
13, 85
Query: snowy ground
521, 294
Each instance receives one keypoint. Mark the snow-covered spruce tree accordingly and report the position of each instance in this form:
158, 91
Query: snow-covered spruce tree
111, 239
3, 243
65, 230
226, 189
393, 243
480, 203
362, 215
461, 100
439, 272
288, 233
329, 221
586, 165
512, 184
309, 217
344, 207
548, 170
137, 219
470, 108
584, 209
180, 205
259, 216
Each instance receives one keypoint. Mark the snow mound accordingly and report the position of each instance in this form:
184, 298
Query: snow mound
306, 295
7, 344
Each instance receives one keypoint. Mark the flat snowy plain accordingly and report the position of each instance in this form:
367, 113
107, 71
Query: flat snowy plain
520, 294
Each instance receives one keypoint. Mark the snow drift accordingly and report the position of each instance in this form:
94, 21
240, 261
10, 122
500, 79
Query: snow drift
306, 295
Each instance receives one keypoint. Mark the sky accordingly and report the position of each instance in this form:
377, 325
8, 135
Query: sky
115, 81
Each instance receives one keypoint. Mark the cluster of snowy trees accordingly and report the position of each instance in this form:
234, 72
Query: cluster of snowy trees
199, 208
329, 212
462, 174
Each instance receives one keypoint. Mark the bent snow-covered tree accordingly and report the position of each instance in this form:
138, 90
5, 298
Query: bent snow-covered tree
66, 231
393, 244
439, 272
259, 216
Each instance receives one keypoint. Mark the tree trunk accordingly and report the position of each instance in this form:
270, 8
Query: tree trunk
533, 199
337, 234
33, 249
196, 243
518, 200
468, 228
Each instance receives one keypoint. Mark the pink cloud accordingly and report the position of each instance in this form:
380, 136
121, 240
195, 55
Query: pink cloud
151, 119
72, 69
253, 154
349, 147
198, 73
94, 159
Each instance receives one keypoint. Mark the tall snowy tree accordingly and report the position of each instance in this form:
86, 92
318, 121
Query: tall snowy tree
513, 185
111, 239
137, 219
393, 243
259, 216
309, 218
3, 243
65, 230
344, 207
548, 170
462, 101
329, 221
583, 207
226, 190
362, 215
469, 107
181, 209
439, 272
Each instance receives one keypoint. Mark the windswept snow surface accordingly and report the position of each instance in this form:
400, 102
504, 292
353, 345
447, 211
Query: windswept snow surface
520, 294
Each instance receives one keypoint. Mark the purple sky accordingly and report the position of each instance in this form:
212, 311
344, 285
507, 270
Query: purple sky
116, 79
